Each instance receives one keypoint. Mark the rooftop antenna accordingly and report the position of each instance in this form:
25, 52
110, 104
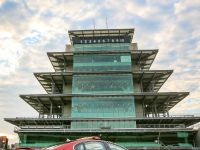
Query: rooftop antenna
93, 21
106, 22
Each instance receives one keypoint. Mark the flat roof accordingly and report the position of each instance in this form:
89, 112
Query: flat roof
100, 33
143, 57
147, 77
187, 120
43, 102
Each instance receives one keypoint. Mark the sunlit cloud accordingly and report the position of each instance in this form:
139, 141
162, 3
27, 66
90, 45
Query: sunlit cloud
29, 29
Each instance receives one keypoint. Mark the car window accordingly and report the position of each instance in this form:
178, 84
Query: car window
94, 146
115, 147
79, 147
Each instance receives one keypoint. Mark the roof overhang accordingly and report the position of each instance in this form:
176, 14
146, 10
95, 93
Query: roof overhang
100, 33
143, 57
43, 102
187, 120
133, 130
151, 77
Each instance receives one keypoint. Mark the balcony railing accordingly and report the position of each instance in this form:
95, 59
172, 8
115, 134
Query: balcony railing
161, 116
46, 127
102, 128
160, 126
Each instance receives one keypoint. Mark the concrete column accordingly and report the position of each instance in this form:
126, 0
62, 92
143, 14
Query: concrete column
153, 85
167, 109
24, 138
143, 107
141, 86
51, 110
155, 109
153, 114
63, 86
53, 87
197, 139
65, 64
40, 111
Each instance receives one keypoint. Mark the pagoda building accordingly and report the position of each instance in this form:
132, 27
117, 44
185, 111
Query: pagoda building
103, 85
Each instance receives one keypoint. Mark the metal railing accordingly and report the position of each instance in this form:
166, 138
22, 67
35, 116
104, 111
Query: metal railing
69, 127
45, 127
182, 116
160, 126
161, 116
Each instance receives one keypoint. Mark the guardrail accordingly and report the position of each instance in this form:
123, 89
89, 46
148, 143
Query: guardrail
182, 116
176, 115
45, 127
69, 127
160, 126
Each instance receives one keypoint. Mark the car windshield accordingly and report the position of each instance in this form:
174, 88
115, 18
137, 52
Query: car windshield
115, 147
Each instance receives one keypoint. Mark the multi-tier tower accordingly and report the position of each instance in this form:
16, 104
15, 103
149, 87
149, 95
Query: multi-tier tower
102, 85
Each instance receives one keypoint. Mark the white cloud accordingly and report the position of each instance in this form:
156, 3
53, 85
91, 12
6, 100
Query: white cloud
34, 27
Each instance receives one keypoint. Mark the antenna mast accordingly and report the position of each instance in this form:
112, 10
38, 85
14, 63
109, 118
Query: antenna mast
106, 22
93, 23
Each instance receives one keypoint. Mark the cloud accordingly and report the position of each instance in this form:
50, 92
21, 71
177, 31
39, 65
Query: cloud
29, 29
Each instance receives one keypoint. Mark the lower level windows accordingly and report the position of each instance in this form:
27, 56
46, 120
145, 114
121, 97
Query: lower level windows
90, 107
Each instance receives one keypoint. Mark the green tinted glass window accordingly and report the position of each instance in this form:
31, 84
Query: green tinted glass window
103, 83
102, 62
103, 107
102, 124
104, 46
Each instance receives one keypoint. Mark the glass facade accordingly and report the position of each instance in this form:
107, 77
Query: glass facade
94, 107
103, 107
102, 46
102, 83
102, 124
102, 62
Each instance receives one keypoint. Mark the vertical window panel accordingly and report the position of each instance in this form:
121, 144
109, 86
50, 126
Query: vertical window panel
90, 107
88, 84
103, 62
102, 46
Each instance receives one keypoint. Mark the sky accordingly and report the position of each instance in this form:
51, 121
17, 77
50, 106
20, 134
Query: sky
31, 28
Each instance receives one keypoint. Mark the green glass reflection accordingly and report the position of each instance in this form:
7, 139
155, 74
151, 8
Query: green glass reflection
103, 83
102, 124
102, 62
100, 46
93, 107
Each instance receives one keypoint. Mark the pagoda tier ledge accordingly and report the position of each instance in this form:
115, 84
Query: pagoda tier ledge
102, 72
184, 120
93, 131
143, 57
133, 51
149, 78
164, 101
84, 34
103, 118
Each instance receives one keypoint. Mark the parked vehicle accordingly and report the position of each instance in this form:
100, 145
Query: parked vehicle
88, 143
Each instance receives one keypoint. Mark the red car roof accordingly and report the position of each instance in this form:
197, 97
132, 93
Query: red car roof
70, 145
